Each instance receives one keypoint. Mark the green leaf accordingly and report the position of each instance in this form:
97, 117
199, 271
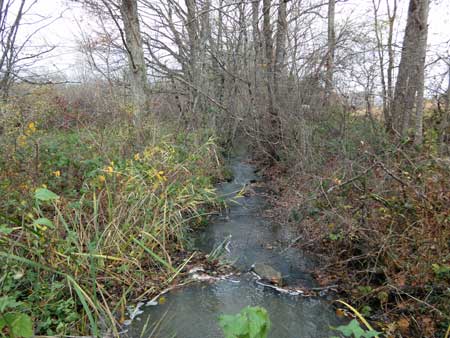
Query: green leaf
251, 322
259, 323
353, 329
44, 221
4, 229
233, 326
45, 195
19, 324
7, 302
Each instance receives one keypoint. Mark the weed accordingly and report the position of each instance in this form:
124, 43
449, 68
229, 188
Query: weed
88, 223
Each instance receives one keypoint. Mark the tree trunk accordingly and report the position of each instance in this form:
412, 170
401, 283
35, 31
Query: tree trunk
331, 50
256, 42
268, 44
138, 69
255, 30
280, 51
273, 133
410, 66
257, 60
418, 137
391, 64
193, 36
385, 86
380, 52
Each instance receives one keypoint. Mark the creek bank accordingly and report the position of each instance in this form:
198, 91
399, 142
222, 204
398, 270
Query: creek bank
247, 237
375, 238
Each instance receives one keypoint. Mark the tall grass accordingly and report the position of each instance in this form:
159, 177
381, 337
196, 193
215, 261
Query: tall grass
112, 231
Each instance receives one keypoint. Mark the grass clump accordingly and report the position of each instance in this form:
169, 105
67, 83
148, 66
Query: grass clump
89, 221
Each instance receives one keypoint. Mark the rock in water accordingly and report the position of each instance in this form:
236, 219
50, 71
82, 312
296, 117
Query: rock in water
267, 273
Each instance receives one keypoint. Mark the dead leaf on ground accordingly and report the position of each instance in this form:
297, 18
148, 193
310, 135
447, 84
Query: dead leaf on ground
403, 325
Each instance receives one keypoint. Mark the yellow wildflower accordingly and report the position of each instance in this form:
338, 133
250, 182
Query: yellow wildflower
57, 173
101, 178
22, 140
160, 176
148, 153
41, 227
137, 157
32, 127
109, 169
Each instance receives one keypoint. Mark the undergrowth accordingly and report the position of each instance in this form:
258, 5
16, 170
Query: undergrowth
381, 213
89, 221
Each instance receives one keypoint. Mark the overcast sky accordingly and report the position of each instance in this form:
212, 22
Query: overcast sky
65, 31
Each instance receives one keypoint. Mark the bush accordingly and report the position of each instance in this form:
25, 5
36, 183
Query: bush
381, 211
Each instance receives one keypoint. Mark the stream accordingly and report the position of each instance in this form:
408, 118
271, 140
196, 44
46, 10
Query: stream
192, 311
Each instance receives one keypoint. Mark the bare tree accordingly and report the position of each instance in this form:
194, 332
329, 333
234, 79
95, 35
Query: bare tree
422, 49
269, 65
224, 62
14, 58
135, 53
104, 53
411, 65
392, 13
268, 48
193, 35
386, 73
331, 48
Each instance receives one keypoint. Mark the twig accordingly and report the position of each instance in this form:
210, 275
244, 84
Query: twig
365, 172
417, 299
398, 179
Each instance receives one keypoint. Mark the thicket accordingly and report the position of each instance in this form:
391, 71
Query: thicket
376, 210
89, 218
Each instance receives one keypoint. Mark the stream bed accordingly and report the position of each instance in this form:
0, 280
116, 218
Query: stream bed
192, 311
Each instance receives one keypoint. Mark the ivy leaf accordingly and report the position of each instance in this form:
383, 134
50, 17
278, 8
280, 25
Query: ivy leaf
45, 195
19, 324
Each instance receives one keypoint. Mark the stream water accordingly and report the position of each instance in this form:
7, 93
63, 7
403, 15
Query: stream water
192, 311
